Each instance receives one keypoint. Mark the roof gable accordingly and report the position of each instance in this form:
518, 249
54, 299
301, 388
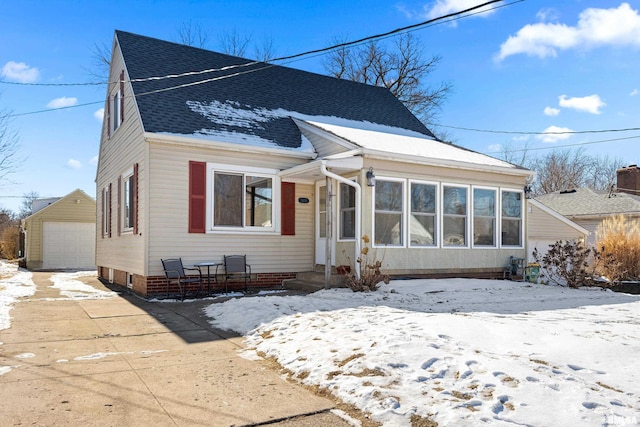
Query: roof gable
242, 100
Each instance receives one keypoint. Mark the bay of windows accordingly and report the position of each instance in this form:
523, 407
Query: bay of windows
445, 215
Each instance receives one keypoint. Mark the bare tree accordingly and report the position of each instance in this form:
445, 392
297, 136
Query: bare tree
192, 34
26, 208
516, 152
10, 158
234, 43
603, 173
400, 67
566, 169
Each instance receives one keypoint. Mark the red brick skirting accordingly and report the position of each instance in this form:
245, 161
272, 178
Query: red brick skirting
150, 286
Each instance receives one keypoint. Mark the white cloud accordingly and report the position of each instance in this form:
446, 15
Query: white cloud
596, 27
445, 7
74, 164
547, 14
634, 92
19, 72
589, 104
62, 102
550, 111
99, 114
554, 134
495, 148
94, 160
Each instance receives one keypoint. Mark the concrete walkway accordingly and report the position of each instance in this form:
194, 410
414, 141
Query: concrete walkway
127, 362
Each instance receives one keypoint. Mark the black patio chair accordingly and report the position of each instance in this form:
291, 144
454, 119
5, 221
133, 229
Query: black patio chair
174, 271
236, 267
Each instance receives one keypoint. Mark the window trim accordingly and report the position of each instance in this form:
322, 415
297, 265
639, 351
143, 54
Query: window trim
403, 216
339, 209
467, 244
116, 110
522, 218
497, 217
127, 207
436, 215
245, 171
106, 211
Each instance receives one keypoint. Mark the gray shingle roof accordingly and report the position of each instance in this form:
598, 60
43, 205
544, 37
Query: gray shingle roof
256, 102
587, 202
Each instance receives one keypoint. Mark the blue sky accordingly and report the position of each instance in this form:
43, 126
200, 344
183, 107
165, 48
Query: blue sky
530, 66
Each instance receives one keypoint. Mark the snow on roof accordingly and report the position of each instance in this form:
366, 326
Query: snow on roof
387, 139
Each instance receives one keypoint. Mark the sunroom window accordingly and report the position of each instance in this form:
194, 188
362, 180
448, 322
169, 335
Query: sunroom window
388, 228
454, 218
484, 217
511, 218
422, 222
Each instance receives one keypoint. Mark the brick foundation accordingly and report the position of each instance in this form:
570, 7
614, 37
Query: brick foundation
150, 286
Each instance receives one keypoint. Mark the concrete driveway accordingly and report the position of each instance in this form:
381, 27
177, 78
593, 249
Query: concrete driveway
124, 361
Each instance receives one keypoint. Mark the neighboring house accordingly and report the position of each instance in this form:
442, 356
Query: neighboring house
546, 226
588, 208
60, 233
204, 155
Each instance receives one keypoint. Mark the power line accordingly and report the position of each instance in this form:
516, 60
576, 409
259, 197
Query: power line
519, 150
448, 17
568, 132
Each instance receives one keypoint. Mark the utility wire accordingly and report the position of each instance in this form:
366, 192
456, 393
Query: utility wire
567, 132
519, 150
449, 17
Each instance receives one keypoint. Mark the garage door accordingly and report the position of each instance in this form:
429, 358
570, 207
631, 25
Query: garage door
68, 245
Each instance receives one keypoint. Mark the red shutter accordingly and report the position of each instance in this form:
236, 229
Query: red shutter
135, 199
197, 196
108, 116
288, 208
103, 222
119, 205
122, 96
110, 212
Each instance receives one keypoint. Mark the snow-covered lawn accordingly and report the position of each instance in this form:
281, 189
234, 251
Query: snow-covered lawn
461, 352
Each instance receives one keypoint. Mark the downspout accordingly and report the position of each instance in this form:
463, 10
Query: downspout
358, 230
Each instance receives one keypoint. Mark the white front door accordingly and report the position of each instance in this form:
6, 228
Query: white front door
321, 225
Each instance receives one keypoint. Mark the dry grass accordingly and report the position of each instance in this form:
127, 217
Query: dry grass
349, 359
618, 241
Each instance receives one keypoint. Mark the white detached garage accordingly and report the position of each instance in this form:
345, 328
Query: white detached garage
61, 233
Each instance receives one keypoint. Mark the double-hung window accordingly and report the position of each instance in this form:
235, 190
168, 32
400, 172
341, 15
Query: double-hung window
454, 215
106, 211
484, 217
128, 202
243, 200
389, 213
116, 110
423, 219
347, 212
512, 218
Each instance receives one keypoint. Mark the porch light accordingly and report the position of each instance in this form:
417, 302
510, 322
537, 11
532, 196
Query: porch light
527, 191
371, 178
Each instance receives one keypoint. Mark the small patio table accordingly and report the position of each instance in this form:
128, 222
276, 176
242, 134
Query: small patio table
208, 264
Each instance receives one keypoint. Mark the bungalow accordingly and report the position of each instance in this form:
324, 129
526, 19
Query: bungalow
204, 155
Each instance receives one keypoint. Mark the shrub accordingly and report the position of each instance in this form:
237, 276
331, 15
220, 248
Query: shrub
568, 264
9, 247
618, 241
369, 268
